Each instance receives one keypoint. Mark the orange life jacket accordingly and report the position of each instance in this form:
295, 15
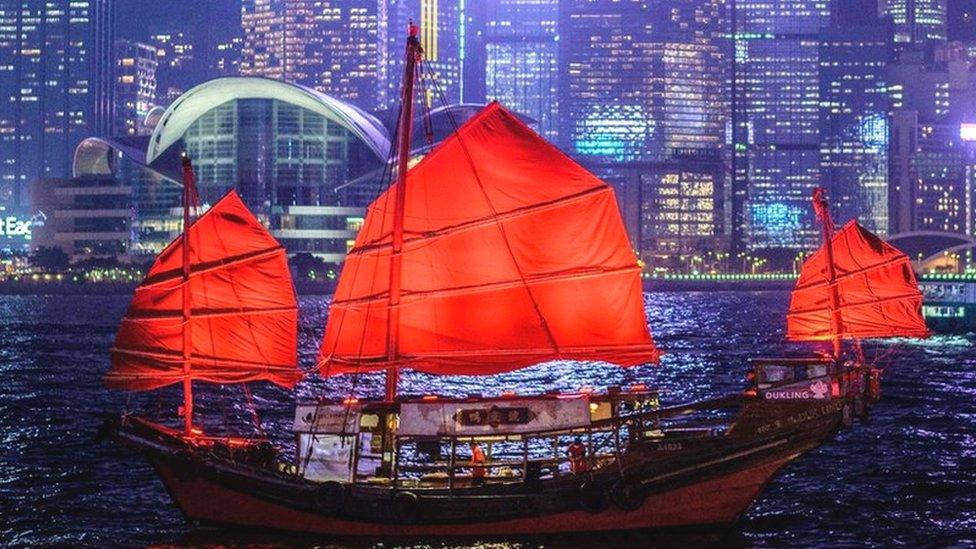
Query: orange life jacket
577, 458
477, 463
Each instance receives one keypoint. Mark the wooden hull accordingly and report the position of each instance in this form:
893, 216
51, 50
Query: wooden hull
718, 501
711, 482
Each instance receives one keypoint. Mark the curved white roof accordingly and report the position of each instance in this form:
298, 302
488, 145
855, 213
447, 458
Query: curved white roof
201, 99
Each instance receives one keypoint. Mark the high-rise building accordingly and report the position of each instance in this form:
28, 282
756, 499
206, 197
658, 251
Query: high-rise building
520, 41
641, 80
932, 179
932, 149
56, 86
962, 21
178, 60
263, 51
473, 21
135, 86
854, 115
643, 103
332, 46
917, 21
441, 37
353, 49
225, 57
777, 120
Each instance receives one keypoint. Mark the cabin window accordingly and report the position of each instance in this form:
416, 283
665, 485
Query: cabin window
936, 311
769, 373
816, 370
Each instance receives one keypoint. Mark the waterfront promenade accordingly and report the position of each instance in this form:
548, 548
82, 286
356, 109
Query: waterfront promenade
28, 285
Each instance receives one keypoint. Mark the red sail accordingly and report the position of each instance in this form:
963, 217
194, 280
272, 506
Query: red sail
513, 255
243, 317
878, 293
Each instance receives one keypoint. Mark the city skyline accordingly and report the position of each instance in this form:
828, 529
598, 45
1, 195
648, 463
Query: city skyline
713, 119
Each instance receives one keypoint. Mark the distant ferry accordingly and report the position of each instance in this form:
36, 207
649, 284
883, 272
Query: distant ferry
950, 302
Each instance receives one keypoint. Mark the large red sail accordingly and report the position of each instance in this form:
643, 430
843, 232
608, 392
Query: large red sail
876, 287
243, 312
513, 255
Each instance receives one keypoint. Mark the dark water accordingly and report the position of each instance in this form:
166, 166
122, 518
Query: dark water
907, 478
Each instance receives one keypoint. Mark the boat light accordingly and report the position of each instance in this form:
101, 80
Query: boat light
508, 393
637, 388
587, 390
350, 400
429, 397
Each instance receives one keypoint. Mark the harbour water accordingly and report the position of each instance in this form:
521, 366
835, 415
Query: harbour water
908, 477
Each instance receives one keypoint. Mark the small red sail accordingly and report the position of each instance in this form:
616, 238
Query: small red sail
877, 290
513, 255
243, 317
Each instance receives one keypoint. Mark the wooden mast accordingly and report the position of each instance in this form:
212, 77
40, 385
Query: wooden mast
413, 53
187, 342
822, 209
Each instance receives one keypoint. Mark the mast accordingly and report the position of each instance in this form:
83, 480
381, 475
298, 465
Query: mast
187, 343
822, 209
413, 54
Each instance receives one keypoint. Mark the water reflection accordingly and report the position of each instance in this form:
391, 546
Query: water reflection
905, 478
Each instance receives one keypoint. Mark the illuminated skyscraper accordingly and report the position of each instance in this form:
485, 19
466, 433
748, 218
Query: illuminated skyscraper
135, 86
917, 20
643, 91
178, 60
334, 46
520, 58
853, 115
441, 37
225, 57
55, 85
933, 161
263, 51
642, 80
777, 87
933, 176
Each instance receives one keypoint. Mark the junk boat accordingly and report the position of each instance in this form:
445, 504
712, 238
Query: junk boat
493, 253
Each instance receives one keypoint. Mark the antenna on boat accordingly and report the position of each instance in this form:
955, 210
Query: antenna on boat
822, 209
189, 195
414, 54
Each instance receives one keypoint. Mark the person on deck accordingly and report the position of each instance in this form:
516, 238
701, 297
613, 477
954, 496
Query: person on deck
478, 471
577, 457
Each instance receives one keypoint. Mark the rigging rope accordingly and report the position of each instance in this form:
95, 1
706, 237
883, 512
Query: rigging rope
384, 182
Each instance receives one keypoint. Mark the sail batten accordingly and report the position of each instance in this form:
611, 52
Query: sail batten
576, 275
851, 274
136, 316
842, 306
491, 220
196, 270
521, 260
241, 316
875, 285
